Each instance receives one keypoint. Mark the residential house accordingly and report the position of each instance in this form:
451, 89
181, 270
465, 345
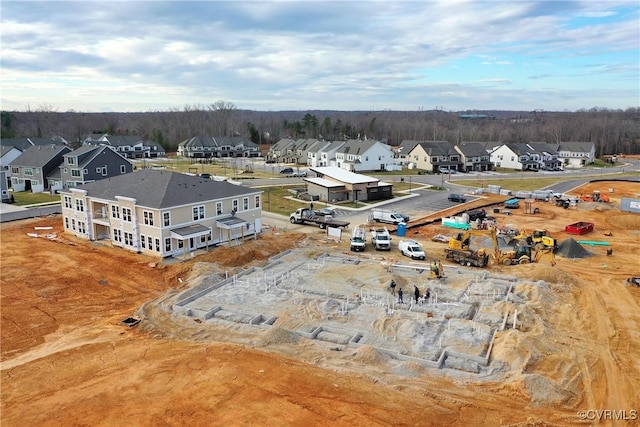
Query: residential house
517, 156
364, 155
403, 150
283, 151
4, 186
334, 184
88, 164
576, 154
220, 146
8, 153
326, 156
435, 156
474, 157
30, 170
162, 213
314, 152
302, 148
548, 155
24, 143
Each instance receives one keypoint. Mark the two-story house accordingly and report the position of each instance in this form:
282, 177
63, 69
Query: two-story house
87, 164
364, 155
474, 157
576, 154
219, 146
314, 152
435, 156
548, 155
302, 149
30, 170
162, 213
283, 151
326, 156
517, 156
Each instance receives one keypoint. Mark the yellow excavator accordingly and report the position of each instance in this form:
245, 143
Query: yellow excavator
539, 239
459, 251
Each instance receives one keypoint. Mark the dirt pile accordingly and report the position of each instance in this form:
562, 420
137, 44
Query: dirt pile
571, 249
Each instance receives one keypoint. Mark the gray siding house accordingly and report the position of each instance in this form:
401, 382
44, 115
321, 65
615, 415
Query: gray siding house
87, 164
30, 170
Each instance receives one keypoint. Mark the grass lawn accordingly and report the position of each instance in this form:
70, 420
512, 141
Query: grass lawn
24, 198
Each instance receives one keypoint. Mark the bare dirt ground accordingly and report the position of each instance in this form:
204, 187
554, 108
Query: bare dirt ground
67, 360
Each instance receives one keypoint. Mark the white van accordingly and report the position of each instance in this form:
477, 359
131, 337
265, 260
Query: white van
390, 217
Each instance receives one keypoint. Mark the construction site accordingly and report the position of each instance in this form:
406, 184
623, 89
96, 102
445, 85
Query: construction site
296, 328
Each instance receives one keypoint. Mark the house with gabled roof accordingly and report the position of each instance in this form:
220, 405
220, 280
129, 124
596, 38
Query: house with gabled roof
435, 156
576, 154
517, 156
402, 151
313, 150
24, 143
364, 155
283, 151
474, 157
302, 148
30, 170
161, 213
87, 164
326, 156
334, 184
8, 153
219, 146
548, 155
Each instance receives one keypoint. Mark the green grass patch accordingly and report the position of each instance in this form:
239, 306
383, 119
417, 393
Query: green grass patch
25, 198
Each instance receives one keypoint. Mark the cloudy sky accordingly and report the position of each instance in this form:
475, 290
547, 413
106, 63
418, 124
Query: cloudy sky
327, 55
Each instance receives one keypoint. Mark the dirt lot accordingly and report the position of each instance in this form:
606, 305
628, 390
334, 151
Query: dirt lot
67, 360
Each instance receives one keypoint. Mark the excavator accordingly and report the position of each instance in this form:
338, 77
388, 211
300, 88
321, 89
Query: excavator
539, 239
596, 196
521, 253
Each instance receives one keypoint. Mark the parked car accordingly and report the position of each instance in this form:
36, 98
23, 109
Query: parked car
286, 170
457, 198
299, 174
205, 175
270, 161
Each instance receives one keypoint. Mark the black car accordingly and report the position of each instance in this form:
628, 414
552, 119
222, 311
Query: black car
457, 198
270, 161
287, 170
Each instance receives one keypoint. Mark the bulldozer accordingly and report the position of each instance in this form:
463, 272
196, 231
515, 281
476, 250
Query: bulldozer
596, 196
539, 239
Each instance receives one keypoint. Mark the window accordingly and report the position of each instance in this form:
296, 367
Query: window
126, 214
148, 218
150, 241
166, 219
104, 171
257, 202
28, 171
81, 227
115, 211
157, 245
218, 208
123, 169
86, 171
245, 203
66, 170
35, 182
198, 213
128, 239
67, 202
15, 171
117, 235
71, 160
79, 205
75, 173
73, 224
66, 223
235, 205
167, 244
143, 241
180, 244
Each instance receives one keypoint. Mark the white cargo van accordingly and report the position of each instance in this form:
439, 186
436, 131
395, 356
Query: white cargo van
390, 217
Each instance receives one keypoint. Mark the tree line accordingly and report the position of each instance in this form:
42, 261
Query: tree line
612, 131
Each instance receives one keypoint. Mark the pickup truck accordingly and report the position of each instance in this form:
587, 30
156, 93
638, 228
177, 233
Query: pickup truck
381, 239
307, 216
412, 249
358, 239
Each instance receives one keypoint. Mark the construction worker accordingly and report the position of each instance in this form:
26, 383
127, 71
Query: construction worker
393, 287
416, 292
400, 300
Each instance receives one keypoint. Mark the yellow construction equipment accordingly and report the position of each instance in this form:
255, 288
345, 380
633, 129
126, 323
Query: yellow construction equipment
539, 239
436, 270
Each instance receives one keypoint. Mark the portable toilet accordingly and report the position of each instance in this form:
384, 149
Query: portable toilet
402, 229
